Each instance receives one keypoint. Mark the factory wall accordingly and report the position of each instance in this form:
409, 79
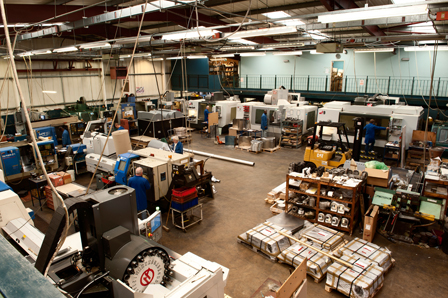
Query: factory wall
71, 85
387, 64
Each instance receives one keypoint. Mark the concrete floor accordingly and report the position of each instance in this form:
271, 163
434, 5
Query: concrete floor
239, 205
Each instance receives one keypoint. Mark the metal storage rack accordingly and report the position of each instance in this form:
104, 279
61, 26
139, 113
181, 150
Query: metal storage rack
291, 130
352, 215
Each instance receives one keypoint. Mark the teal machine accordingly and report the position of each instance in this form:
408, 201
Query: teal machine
123, 167
441, 131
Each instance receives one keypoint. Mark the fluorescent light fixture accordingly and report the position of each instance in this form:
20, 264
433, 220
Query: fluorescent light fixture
282, 14
405, 1
189, 34
64, 50
431, 41
27, 25
425, 48
242, 41
223, 56
95, 45
313, 52
42, 52
286, 45
252, 54
383, 11
262, 32
49, 91
276, 15
197, 57
265, 49
287, 53
389, 50
291, 22
25, 54
426, 27
174, 58
316, 34
155, 59
237, 48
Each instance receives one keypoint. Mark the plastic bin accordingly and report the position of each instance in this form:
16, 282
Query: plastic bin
184, 199
184, 191
184, 206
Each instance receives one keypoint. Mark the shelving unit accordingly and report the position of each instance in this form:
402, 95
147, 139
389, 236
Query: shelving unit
291, 133
352, 215
227, 68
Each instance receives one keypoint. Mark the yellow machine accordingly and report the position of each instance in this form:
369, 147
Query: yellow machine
323, 150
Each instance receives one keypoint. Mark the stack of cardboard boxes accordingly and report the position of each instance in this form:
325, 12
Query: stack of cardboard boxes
58, 179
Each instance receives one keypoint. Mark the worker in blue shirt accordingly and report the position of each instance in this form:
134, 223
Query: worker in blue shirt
206, 114
371, 128
118, 126
141, 185
264, 124
178, 147
65, 137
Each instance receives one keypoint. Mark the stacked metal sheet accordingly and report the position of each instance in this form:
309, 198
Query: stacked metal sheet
256, 145
180, 131
360, 281
363, 249
317, 263
324, 237
265, 238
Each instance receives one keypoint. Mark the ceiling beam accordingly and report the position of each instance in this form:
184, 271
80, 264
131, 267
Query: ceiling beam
277, 8
332, 5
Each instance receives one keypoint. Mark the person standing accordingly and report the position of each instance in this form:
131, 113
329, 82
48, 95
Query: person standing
206, 114
65, 137
141, 185
264, 124
369, 139
178, 147
118, 126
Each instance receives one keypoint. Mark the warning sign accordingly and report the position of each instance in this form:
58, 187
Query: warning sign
361, 82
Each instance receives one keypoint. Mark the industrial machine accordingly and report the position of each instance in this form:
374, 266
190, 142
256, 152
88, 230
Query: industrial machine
106, 165
123, 167
47, 132
226, 111
157, 123
95, 142
76, 131
411, 117
109, 258
193, 111
77, 157
10, 159
441, 131
26, 160
11, 207
48, 152
323, 150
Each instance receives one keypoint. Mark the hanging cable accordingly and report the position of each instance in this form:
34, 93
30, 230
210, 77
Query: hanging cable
33, 138
121, 96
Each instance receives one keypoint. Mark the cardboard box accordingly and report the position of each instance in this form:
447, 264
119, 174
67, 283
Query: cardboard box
378, 177
233, 131
56, 180
370, 220
66, 177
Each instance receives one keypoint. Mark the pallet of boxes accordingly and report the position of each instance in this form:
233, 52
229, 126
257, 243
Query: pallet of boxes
355, 268
57, 179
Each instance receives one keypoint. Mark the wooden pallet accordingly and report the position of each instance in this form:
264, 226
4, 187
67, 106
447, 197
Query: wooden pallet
243, 148
329, 289
271, 150
257, 250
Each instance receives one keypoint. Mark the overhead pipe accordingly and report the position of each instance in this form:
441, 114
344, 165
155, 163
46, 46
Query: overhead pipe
240, 161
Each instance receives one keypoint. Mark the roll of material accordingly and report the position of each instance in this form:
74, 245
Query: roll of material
122, 141
268, 143
244, 141
268, 99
